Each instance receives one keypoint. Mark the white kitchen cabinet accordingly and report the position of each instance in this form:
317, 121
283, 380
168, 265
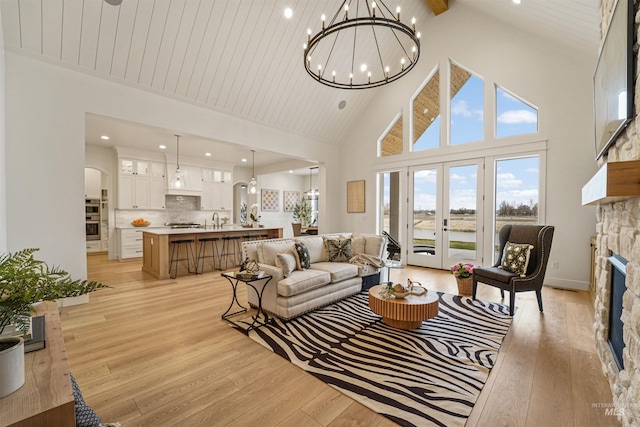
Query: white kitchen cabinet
217, 190
191, 177
93, 246
130, 243
141, 185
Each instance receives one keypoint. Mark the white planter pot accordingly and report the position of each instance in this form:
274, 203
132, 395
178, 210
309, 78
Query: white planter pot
11, 367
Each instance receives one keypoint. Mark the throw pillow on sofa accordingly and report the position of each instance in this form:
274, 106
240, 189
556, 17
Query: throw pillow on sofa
339, 250
267, 251
286, 261
315, 246
303, 259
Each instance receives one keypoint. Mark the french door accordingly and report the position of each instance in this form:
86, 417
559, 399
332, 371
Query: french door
445, 221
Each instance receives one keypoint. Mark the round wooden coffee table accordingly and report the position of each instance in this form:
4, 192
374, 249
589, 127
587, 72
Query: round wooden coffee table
403, 313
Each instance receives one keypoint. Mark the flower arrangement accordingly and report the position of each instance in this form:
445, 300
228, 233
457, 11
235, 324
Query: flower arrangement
254, 213
463, 271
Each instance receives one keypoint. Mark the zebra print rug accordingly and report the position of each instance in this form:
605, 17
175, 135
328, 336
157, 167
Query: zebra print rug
428, 376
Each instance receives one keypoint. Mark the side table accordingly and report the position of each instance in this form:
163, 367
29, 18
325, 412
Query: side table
392, 264
261, 317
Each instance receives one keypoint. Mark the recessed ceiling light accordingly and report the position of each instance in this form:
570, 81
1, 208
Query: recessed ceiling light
243, 160
105, 137
516, 1
342, 104
207, 154
288, 13
162, 147
290, 171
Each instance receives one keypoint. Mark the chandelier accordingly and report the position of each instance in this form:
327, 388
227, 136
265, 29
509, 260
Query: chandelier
364, 45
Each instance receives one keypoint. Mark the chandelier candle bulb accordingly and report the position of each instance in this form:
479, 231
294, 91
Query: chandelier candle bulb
373, 8
346, 11
324, 18
398, 12
308, 34
413, 23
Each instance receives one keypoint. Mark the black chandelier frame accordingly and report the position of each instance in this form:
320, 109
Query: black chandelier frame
372, 21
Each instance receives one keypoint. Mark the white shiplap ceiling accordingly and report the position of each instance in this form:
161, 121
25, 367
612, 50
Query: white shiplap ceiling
240, 56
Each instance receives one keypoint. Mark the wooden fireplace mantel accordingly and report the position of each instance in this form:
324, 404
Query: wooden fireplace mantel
614, 181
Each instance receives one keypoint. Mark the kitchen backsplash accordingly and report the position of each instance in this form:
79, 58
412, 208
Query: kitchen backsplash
177, 209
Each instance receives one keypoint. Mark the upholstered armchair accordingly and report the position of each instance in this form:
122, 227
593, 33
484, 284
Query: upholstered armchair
538, 236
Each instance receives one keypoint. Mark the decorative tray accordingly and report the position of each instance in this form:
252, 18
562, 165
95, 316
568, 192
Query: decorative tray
243, 275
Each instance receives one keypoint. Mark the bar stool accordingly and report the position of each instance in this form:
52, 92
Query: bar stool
175, 256
230, 248
202, 252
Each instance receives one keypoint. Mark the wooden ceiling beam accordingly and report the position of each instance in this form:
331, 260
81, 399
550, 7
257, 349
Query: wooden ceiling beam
438, 6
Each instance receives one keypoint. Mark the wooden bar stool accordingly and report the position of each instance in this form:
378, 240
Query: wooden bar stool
230, 249
202, 253
175, 256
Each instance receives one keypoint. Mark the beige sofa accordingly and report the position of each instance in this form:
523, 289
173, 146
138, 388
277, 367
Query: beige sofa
292, 293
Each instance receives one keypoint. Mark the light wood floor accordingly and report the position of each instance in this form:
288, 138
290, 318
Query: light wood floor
156, 353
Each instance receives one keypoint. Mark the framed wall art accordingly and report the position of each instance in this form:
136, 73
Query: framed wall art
355, 196
270, 200
289, 200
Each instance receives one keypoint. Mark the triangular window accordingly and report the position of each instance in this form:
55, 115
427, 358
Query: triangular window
391, 143
467, 106
513, 115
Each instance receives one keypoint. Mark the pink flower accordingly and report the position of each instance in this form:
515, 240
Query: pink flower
463, 271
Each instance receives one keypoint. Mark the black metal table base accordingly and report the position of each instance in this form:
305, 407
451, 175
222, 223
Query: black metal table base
251, 323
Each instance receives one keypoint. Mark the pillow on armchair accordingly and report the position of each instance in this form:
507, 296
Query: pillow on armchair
515, 258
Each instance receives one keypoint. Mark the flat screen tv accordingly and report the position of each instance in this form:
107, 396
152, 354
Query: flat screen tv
613, 78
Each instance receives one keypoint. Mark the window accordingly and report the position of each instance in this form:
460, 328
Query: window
467, 106
426, 115
391, 143
517, 193
513, 115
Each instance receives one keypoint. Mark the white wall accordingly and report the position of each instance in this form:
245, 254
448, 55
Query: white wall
282, 182
46, 151
555, 79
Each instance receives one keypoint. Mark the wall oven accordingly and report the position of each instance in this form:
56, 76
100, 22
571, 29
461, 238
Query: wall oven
92, 219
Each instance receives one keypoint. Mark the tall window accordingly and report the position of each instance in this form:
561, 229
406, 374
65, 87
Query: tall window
517, 193
467, 106
426, 115
513, 115
391, 143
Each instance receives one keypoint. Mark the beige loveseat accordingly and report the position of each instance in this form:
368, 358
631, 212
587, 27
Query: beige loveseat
292, 292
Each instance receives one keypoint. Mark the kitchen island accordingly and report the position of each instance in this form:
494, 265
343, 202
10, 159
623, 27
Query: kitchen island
156, 244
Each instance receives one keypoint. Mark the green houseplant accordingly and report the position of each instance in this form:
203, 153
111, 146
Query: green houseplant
25, 281
302, 213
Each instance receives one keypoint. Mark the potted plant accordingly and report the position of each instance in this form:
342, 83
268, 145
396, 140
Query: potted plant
464, 277
25, 281
302, 213
254, 217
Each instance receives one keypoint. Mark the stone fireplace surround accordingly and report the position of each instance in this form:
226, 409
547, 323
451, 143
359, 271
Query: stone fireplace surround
618, 232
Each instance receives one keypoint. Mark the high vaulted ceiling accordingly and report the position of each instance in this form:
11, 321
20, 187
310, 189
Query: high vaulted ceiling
242, 56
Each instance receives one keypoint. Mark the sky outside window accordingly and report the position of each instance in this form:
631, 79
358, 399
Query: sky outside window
467, 107
513, 116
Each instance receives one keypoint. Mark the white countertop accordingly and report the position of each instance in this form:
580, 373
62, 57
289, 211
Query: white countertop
174, 231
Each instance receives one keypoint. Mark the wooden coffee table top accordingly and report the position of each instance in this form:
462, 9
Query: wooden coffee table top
403, 313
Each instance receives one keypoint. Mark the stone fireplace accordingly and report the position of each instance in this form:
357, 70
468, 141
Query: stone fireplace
618, 233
